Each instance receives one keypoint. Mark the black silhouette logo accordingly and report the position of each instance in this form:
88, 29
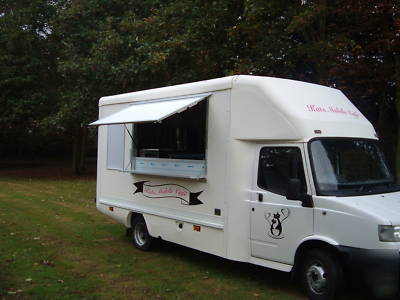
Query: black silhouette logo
275, 221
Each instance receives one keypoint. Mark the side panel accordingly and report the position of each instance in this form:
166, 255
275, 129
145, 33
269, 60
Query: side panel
207, 239
265, 108
186, 201
255, 116
348, 225
239, 180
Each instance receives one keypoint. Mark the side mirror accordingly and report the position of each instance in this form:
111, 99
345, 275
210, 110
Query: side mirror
294, 193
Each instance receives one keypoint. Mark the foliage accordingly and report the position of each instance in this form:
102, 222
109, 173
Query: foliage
351, 45
59, 57
28, 75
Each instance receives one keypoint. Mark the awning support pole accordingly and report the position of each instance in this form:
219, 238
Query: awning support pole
133, 140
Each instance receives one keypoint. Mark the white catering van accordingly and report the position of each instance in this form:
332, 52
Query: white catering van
274, 172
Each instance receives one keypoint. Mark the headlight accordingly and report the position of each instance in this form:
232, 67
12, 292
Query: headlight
389, 233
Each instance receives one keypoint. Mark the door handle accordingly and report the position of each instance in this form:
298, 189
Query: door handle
260, 197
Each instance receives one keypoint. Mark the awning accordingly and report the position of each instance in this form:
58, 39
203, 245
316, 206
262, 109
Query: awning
150, 111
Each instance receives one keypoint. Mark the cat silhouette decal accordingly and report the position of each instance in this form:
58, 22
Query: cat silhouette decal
275, 221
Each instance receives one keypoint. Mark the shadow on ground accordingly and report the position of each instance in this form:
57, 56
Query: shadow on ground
277, 279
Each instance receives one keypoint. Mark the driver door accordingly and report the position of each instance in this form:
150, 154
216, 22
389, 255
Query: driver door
278, 224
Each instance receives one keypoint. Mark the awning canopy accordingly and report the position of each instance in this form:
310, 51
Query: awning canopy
150, 111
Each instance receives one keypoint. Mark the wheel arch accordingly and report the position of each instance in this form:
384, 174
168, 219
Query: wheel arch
139, 231
130, 217
313, 242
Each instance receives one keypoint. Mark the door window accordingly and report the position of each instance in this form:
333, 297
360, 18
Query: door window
277, 165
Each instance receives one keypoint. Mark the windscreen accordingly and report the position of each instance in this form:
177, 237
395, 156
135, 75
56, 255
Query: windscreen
347, 167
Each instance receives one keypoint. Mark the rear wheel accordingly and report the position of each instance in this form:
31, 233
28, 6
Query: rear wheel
322, 275
140, 235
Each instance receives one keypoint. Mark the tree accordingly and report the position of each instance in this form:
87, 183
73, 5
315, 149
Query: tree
350, 45
28, 75
108, 49
59, 57
77, 28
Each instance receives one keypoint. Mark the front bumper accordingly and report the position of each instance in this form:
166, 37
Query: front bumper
378, 269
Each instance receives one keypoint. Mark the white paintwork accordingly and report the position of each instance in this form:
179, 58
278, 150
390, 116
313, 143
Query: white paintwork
297, 226
150, 111
246, 113
169, 213
288, 109
316, 237
187, 89
351, 221
271, 264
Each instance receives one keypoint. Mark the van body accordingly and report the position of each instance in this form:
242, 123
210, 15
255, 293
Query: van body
274, 172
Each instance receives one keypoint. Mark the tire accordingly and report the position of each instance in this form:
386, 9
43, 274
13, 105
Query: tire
140, 235
322, 275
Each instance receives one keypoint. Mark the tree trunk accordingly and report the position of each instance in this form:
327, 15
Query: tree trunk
387, 134
75, 153
79, 149
84, 135
397, 78
322, 71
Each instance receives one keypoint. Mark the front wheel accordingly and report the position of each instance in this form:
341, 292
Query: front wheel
322, 275
140, 235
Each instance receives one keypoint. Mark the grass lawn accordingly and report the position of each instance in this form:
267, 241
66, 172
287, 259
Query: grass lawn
54, 244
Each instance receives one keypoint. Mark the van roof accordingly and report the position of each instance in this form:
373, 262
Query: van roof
295, 110
192, 88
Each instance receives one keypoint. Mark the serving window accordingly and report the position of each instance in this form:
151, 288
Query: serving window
168, 137
175, 146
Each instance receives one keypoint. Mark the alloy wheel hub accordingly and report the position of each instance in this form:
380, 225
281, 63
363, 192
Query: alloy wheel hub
316, 278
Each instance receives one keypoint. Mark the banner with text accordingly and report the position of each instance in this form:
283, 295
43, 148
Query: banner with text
167, 191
